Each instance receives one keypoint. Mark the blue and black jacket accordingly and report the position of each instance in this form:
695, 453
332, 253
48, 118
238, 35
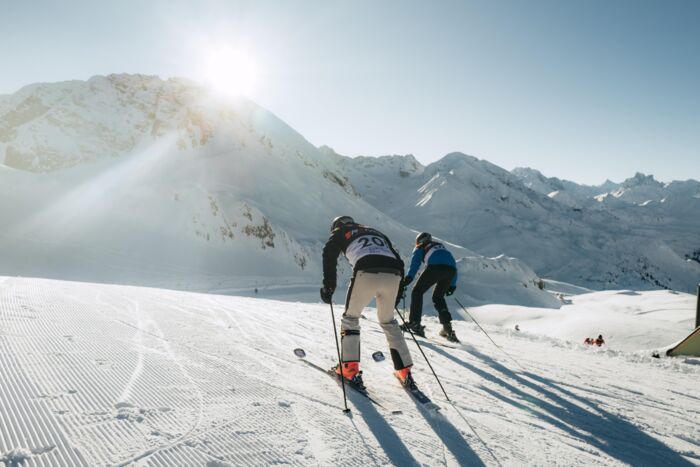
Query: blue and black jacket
432, 254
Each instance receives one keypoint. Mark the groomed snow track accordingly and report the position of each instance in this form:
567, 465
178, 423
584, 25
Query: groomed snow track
108, 375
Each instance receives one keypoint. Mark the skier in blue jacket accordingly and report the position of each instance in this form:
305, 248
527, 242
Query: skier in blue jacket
440, 271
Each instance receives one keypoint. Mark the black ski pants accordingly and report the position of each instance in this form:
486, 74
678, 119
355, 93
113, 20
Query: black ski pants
440, 276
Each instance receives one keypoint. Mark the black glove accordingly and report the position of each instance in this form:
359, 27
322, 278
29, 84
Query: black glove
407, 280
327, 294
450, 290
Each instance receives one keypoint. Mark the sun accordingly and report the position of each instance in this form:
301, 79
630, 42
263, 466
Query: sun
230, 71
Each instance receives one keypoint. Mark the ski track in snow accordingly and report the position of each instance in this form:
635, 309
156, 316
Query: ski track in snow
96, 374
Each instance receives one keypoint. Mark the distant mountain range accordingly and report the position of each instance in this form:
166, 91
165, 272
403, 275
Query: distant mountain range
134, 179
639, 234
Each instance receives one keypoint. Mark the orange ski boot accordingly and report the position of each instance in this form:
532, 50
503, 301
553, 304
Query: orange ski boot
351, 372
404, 376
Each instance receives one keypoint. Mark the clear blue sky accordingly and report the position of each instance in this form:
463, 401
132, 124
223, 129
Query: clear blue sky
584, 90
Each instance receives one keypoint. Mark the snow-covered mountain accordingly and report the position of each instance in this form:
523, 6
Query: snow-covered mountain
492, 211
640, 189
656, 210
132, 179
564, 191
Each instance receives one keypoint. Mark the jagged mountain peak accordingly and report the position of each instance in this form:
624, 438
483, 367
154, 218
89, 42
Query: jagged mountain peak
455, 160
465, 168
528, 171
537, 181
641, 179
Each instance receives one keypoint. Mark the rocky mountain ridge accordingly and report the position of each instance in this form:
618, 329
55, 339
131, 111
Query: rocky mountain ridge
137, 180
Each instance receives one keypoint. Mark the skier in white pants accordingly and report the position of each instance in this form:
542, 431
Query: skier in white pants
377, 273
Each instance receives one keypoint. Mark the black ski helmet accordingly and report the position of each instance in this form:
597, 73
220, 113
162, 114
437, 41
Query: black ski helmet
423, 238
340, 220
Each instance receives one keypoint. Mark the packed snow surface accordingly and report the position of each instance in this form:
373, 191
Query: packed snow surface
96, 374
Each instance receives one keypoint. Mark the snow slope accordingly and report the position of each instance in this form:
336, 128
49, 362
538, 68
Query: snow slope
628, 320
131, 179
98, 374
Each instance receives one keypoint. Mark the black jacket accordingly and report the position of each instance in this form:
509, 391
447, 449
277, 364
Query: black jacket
369, 250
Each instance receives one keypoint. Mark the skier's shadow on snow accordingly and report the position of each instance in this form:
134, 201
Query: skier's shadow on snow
451, 437
597, 427
385, 435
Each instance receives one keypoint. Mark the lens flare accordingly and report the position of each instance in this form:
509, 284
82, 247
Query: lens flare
230, 72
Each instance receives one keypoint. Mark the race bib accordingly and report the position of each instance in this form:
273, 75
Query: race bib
433, 249
367, 245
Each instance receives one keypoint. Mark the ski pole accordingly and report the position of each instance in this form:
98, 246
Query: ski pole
423, 353
340, 363
487, 334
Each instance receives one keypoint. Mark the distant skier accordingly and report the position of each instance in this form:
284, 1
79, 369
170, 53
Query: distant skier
377, 272
517, 328
440, 271
599, 341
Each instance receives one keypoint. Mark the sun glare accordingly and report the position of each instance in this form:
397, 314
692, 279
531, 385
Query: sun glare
231, 72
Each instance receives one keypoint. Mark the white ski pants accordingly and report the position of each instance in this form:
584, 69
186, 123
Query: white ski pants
363, 288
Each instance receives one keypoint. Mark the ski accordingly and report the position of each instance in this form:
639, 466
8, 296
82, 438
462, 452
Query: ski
348, 384
412, 388
448, 345
420, 397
